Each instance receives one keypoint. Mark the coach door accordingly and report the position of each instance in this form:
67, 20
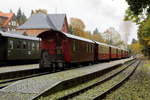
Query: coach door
59, 51
66, 50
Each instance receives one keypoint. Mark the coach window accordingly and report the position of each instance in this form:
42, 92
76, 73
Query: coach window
33, 46
92, 49
86, 47
11, 44
37, 46
18, 44
74, 45
24, 45
89, 48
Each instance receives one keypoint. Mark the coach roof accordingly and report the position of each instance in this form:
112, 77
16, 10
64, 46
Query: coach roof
77, 37
13, 35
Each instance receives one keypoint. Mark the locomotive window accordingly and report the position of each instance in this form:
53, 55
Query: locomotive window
11, 44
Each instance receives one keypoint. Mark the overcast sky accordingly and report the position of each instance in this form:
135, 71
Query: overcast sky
95, 13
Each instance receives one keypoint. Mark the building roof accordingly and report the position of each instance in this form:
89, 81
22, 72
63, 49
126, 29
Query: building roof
8, 17
44, 21
19, 36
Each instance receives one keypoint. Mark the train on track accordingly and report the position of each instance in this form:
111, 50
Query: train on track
18, 48
59, 49
56, 49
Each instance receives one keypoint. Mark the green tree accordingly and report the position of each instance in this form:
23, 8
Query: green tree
32, 12
144, 36
139, 12
96, 31
20, 17
139, 7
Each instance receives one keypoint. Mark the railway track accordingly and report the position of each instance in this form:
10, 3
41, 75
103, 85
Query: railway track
87, 89
99, 89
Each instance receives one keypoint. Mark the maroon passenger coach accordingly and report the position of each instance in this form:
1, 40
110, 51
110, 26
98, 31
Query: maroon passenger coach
60, 48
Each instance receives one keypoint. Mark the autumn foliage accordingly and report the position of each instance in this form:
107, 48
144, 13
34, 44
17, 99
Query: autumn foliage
77, 27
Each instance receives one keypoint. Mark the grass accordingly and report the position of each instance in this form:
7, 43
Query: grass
136, 88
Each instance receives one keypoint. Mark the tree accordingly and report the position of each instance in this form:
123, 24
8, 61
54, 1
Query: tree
138, 12
144, 36
139, 7
20, 17
11, 11
97, 36
96, 31
130, 16
77, 27
32, 12
39, 11
135, 48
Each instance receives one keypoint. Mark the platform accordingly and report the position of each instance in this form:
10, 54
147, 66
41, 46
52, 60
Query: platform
28, 89
8, 69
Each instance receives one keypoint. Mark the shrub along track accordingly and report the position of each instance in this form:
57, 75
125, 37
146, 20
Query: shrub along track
98, 87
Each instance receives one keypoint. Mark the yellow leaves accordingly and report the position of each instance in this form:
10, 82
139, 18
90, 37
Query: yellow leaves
135, 48
148, 43
78, 28
97, 37
146, 38
40, 11
77, 23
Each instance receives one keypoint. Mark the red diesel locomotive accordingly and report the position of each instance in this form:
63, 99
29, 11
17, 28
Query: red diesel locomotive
60, 49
